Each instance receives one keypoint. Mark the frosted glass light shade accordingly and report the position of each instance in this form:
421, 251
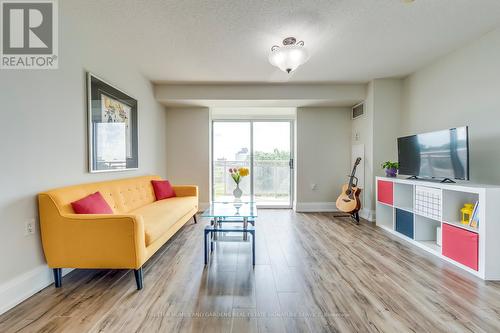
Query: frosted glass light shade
288, 57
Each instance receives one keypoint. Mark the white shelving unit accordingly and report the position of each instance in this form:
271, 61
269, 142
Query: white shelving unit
476, 250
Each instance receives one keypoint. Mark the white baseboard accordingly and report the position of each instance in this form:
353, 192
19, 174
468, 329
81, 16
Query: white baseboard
25, 285
311, 207
367, 214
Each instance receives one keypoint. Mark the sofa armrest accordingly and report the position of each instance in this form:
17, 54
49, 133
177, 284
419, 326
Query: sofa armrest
186, 190
97, 241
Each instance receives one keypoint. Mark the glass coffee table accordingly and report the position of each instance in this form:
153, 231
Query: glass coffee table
230, 217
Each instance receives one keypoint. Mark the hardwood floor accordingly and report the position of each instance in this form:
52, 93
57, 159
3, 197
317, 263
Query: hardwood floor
314, 273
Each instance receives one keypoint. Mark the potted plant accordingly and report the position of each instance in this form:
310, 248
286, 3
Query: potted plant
391, 168
237, 174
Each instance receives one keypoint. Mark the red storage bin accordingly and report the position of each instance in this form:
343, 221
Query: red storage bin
460, 245
385, 192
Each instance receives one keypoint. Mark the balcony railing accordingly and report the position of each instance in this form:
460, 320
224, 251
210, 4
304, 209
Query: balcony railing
271, 179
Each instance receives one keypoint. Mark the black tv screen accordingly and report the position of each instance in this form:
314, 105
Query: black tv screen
441, 154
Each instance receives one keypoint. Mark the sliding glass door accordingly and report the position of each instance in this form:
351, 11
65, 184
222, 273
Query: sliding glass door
272, 153
266, 148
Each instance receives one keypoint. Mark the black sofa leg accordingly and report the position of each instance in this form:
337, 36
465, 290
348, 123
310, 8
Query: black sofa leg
57, 277
195, 220
138, 278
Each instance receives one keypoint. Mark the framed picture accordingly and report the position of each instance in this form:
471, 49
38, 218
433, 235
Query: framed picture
112, 128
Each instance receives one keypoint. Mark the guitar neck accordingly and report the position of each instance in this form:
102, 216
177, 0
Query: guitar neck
351, 177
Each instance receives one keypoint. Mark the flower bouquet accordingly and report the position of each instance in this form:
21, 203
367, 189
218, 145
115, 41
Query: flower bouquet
237, 174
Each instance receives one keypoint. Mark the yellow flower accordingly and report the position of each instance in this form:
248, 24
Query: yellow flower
244, 172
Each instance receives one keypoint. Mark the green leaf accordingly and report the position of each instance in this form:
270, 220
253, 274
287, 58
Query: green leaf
390, 165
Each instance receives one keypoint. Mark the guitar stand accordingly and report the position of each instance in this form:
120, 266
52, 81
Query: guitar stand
353, 215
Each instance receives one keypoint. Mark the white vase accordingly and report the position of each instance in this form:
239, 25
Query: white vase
237, 192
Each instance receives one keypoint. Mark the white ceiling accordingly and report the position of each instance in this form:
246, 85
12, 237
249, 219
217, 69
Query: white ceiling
229, 40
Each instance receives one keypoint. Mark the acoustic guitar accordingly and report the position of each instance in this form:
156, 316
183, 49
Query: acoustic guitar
348, 200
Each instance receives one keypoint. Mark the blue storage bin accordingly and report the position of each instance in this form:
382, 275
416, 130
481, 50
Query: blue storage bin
404, 222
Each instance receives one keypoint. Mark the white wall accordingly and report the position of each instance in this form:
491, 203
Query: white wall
188, 148
386, 123
258, 113
460, 89
43, 135
362, 133
323, 156
323, 151
378, 129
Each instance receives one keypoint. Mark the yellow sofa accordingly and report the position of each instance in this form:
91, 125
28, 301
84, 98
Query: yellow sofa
126, 239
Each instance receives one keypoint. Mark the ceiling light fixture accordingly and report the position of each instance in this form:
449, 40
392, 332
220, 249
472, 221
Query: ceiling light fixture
289, 56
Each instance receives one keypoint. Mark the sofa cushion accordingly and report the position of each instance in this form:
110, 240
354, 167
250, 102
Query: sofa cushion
162, 215
163, 189
92, 204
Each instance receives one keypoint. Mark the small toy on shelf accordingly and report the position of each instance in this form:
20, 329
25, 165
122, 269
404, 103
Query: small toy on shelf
467, 210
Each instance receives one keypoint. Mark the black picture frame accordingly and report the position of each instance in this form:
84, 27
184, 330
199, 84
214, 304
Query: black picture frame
112, 127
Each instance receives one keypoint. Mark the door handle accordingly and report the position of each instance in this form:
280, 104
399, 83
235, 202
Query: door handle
290, 163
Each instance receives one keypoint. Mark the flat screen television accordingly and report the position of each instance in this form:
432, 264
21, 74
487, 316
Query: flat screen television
440, 155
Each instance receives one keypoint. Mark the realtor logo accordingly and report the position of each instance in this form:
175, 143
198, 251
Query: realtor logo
29, 34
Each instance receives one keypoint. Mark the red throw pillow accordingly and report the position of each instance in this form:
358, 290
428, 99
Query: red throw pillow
92, 204
163, 189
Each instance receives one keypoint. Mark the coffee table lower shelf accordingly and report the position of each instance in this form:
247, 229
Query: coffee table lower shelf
211, 230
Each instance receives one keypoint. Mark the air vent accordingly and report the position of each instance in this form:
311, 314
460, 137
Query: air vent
358, 110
